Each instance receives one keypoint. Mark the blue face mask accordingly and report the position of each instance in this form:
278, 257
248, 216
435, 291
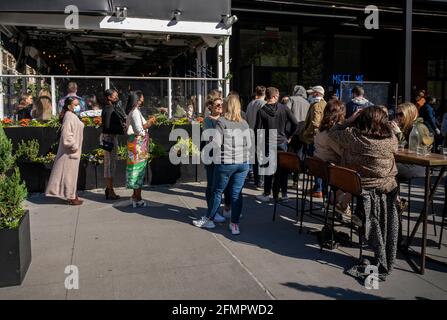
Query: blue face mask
77, 109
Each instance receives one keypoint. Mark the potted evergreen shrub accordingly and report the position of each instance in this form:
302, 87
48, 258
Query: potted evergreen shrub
15, 236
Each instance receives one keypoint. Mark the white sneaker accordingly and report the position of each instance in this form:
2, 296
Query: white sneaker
234, 228
226, 213
140, 203
283, 199
263, 198
219, 219
204, 222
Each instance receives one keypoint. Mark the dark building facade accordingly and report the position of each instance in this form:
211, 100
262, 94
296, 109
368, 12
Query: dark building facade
284, 43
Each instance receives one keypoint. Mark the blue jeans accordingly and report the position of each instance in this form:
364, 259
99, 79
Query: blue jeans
233, 176
209, 186
318, 181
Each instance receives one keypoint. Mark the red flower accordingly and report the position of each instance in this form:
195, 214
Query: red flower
24, 122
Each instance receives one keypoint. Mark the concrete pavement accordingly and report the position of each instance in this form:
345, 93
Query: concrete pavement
156, 253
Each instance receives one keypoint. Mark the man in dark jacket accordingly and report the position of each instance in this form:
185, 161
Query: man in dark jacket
357, 102
274, 115
252, 111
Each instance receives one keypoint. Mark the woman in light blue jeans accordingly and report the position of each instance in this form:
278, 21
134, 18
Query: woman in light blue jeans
234, 141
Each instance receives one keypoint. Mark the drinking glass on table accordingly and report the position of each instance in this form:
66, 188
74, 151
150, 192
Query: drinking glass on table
422, 151
401, 145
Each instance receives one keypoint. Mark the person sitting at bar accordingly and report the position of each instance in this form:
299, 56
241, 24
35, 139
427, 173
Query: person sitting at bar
329, 150
369, 146
23, 109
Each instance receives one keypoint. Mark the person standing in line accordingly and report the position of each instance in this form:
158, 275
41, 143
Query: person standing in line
232, 169
72, 91
210, 122
427, 113
252, 112
137, 146
311, 128
358, 101
64, 174
113, 124
42, 110
274, 116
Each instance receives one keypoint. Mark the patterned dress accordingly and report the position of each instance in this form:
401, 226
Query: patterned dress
137, 150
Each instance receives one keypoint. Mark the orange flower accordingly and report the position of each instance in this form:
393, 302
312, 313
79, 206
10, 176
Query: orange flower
152, 119
24, 122
97, 121
199, 119
7, 122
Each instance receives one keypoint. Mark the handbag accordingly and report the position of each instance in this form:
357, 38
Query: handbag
106, 145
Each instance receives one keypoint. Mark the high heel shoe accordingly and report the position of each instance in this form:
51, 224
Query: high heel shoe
111, 195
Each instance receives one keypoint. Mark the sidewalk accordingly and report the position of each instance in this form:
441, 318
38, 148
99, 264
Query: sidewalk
156, 253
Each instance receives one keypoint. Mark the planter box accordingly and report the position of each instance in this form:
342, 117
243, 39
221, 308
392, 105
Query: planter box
35, 175
15, 253
162, 171
188, 173
201, 172
86, 176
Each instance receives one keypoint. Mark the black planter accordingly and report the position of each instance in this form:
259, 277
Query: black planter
162, 171
119, 179
35, 175
201, 172
86, 175
188, 173
15, 253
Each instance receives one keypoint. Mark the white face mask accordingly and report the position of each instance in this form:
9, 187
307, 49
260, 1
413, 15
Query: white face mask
77, 109
314, 99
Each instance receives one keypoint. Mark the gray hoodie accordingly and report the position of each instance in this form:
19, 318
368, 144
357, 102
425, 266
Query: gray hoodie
298, 104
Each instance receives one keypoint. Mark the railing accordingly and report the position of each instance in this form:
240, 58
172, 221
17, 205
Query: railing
171, 93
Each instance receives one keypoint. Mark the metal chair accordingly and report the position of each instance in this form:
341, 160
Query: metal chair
319, 169
290, 163
348, 181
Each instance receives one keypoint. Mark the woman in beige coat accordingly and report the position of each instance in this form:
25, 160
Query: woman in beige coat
64, 175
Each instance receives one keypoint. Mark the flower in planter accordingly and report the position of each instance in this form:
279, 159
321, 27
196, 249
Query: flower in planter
6, 122
36, 123
97, 121
24, 122
87, 121
199, 119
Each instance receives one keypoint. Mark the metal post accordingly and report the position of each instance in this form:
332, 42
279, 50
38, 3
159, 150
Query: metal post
170, 98
1, 82
227, 65
198, 82
220, 65
408, 48
53, 95
107, 83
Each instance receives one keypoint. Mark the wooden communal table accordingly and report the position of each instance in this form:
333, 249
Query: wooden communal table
430, 161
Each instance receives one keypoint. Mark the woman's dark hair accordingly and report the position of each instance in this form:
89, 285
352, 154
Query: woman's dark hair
373, 123
334, 113
68, 101
132, 100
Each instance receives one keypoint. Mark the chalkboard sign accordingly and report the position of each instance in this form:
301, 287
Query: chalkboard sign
379, 93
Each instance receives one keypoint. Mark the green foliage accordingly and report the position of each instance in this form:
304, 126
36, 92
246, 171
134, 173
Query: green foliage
28, 150
155, 150
54, 122
187, 146
6, 157
36, 123
122, 152
12, 194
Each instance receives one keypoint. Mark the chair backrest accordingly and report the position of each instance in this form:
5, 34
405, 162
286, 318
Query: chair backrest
289, 162
345, 179
317, 167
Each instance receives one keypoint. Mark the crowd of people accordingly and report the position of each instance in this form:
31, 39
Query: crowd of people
358, 135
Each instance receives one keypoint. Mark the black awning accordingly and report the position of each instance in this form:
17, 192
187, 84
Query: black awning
191, 10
